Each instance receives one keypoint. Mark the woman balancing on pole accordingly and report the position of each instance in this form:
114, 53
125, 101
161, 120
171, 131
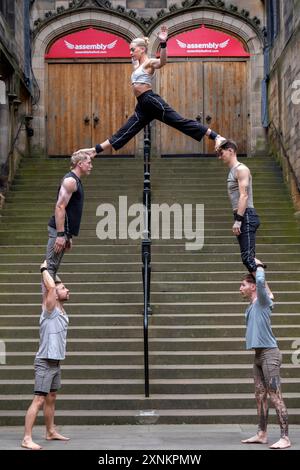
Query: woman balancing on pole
150, 105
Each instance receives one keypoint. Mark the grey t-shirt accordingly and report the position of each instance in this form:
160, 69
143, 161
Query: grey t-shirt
53, 335
259, 333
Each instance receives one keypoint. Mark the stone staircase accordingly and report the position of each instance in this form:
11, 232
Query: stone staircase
199, 369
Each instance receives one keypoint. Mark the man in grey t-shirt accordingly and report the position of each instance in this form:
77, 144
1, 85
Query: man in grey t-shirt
53, 334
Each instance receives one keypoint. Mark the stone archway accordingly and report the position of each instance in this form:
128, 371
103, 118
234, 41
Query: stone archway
187, 19
248, 35
54, 29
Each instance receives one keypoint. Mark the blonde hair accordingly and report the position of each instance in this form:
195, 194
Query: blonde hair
141, 42
76, 158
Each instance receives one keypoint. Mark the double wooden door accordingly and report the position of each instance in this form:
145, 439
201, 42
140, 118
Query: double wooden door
215, 93
87, 103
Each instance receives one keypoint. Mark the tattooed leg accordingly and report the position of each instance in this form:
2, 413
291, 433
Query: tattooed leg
282, 414
262, 409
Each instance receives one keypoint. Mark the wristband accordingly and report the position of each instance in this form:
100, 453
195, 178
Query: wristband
238, 217
213, 135
98, 148
60, 234
43, 269
163, 45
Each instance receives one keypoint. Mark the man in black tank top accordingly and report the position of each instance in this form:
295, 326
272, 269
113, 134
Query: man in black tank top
68, 211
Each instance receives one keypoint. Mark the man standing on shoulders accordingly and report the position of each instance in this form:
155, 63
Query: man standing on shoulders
267, 359
246, 220
68, 212
53, 335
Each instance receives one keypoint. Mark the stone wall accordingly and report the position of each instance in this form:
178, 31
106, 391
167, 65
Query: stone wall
14, 100
284, 86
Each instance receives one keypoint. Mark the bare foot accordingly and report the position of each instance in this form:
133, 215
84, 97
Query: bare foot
283, 443
29, 444
257, 439
219, 140
55, 436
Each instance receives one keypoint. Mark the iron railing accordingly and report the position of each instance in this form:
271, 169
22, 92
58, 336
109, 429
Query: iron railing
146, 251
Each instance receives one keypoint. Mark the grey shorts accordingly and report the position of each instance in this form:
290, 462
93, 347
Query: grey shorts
47, 376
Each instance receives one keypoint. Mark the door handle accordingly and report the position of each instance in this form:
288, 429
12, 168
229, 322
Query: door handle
96, 120
208, 119
199, 117
86, 120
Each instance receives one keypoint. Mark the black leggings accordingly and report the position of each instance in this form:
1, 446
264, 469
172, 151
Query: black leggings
151, 106
246, 239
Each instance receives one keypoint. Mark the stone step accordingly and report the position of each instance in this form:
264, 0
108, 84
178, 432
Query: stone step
37, 237
138, 402
157, 320
129, 416
176, 345
161, 258
158, 386
19, 363
156, 331
212, 277
156, 297
157, 248
136, 286
157, 308
38, 223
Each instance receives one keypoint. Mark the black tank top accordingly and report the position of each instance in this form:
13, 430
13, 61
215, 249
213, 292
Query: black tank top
73, 209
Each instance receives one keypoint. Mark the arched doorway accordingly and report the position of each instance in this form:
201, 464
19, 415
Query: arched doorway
206, 79
88, 97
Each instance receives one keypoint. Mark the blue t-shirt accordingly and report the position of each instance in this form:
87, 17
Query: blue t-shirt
53, 335
259, 333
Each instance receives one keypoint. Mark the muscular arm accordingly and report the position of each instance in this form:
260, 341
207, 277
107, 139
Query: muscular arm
159, 63
243, 176
49, 298
67, 188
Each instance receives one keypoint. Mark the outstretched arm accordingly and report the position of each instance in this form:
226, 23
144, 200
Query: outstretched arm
263, 296
163, 36
49, 294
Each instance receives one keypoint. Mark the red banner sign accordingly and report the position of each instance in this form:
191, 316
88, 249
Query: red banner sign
205, 42
89, 43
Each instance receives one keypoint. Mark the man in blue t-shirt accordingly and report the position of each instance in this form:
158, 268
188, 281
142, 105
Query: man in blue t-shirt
53, 336
267, 359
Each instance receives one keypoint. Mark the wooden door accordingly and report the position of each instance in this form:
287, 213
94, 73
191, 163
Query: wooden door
216, 91
69, 103
87, 103
181, 85
112, 103
225, 102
